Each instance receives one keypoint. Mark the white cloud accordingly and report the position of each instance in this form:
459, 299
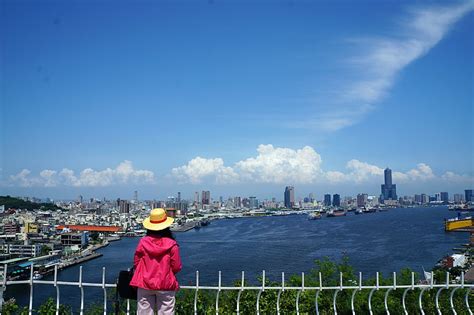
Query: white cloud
380, 62
200, 168
276, 165
421, 172
48, 178
281, 165
124, 173
22, 178
457, 178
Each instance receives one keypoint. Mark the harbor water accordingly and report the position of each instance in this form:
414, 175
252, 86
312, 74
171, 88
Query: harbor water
383, 241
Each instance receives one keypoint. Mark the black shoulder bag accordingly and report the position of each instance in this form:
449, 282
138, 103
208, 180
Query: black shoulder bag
123, 285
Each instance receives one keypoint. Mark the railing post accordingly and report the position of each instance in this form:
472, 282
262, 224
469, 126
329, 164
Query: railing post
57, 288
3, 287
280, 291
105, 291
196, 293
82, 290
30, 307
218, 292
240, 292
260, 292
299, 294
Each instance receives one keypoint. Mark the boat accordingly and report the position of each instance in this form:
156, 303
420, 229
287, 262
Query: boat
461, 207
336, 213
314, 215
359, 211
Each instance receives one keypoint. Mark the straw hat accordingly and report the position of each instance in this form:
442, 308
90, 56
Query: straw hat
158, 220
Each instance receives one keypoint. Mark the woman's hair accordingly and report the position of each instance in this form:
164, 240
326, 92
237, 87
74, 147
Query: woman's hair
161, 233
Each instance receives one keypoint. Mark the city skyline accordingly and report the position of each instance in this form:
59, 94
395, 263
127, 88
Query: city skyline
103, 99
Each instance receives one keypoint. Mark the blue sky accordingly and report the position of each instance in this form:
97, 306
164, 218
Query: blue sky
102, 98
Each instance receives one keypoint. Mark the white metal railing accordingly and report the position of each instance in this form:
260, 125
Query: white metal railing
356, 287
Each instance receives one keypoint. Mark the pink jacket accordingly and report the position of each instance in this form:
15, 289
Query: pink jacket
156, 262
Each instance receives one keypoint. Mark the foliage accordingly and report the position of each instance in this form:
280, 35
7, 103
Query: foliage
16, 203
330, 274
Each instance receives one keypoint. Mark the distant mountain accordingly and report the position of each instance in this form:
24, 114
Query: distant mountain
16, 203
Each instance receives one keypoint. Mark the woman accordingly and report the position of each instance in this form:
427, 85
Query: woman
156, 262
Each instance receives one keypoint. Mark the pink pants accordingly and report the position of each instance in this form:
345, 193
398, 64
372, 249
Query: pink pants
149, 301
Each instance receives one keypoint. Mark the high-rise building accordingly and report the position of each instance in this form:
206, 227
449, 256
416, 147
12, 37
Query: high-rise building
336, 200
237, 202
124, 206
444, 197
206, 197
362, 200
289, 197
468, 196
425, 198
311, 197
458, 198
389, 190
196, 197
327, 200
135, 195
179, 197
253, 202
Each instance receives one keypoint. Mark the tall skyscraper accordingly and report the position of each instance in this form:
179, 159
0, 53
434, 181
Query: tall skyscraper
196, 197
336, 200
458, 198
468, 196
389, 190
206, 197
237, 202
444, 197
289, 197
253, 202
327, 200
179, 197
124, 206
362, 200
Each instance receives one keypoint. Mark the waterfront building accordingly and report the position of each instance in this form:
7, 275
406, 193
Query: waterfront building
311, 197
74, 238
362, 200
444, 197
336, 200
389, 190
179, 197
237, 202
196, 197
245, 202
327, 200
253, 202
289, 197
425, 198
468, 196
458, 198
206, 197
